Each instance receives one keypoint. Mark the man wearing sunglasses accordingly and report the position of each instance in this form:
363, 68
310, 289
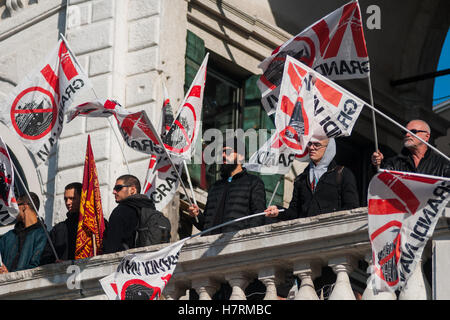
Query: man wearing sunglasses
124, 219
21, 248
236, 195
415, 155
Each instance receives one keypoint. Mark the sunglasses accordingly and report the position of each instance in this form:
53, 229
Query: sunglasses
415, 131
316, 145
119, 187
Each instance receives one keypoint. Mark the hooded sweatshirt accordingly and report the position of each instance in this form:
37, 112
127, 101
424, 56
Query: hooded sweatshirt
123, 222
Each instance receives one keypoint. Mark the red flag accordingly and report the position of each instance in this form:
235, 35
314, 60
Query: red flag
90, 223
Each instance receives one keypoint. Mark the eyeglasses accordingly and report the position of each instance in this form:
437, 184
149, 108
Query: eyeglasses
316, 145
415, 131
119, 187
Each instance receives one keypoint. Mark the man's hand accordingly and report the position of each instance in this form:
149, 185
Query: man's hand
377, 157
272, 211
193, 210
3, 269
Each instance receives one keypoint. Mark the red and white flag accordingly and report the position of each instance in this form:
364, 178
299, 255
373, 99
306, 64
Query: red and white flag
167, 113
161, 182
180, 139
403, 211
310, 107
8, 203
35, 109
136, 128
143, 276
334, 46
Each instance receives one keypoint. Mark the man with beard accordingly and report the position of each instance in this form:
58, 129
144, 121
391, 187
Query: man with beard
415, 156
236, 195
124, 219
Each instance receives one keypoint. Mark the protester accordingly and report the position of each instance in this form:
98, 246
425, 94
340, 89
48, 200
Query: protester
237, 194
415, 155
124, 219
322, 187
21, 248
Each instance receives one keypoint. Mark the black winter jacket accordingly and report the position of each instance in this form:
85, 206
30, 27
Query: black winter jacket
432, 163
244, 195
123, 222
327, 197
64, 238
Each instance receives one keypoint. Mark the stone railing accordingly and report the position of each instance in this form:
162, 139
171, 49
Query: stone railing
300, 247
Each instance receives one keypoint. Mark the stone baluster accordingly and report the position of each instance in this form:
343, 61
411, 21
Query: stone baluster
205, 288
238, 282
417, 287
342, 266
270, 276
173, 291
306, 272
371, 292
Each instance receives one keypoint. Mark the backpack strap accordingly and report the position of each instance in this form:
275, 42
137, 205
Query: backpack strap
339, 174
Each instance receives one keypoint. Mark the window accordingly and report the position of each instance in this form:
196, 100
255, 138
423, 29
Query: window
231, 101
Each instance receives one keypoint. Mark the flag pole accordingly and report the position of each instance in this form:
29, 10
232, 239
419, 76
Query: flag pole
96, 97
375, 135
275, 191
35, 209
189, 181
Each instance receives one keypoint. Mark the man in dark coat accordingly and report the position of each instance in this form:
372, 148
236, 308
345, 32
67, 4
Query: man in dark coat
236, 195
123, 221
323, 186
21, 248
415, 156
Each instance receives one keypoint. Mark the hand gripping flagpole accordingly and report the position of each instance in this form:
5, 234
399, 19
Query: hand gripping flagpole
402, 127
96, 97
35, 209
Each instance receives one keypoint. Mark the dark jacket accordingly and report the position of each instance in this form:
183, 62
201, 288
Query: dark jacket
329, 195
121, 232
21, 248
432, 163
243, 196
64, 237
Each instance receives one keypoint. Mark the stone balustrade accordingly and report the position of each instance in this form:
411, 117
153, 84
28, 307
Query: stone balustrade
270, 253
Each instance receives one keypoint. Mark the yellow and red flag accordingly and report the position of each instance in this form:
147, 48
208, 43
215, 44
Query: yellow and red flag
91, 225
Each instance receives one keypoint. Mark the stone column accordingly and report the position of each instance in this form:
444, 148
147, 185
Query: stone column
205, 288
269, 276
306, 272
417, 287
172, 292
342, 289
371, 293
238, 282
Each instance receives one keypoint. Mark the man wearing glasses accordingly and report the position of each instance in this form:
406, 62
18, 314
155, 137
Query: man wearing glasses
21, 248
323, 186
415, 155
123, 221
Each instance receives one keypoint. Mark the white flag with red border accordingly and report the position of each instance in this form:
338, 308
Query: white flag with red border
136, 128
180, 139
143, 276
403, 211
334, 46
8, 203
35, 108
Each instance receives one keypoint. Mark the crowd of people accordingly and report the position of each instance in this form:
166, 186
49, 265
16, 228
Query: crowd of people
324, 186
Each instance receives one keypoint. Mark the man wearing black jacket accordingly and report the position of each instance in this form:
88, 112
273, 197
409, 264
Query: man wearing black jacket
323, 186
123, 220
237, 194
64, 234
415, 155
